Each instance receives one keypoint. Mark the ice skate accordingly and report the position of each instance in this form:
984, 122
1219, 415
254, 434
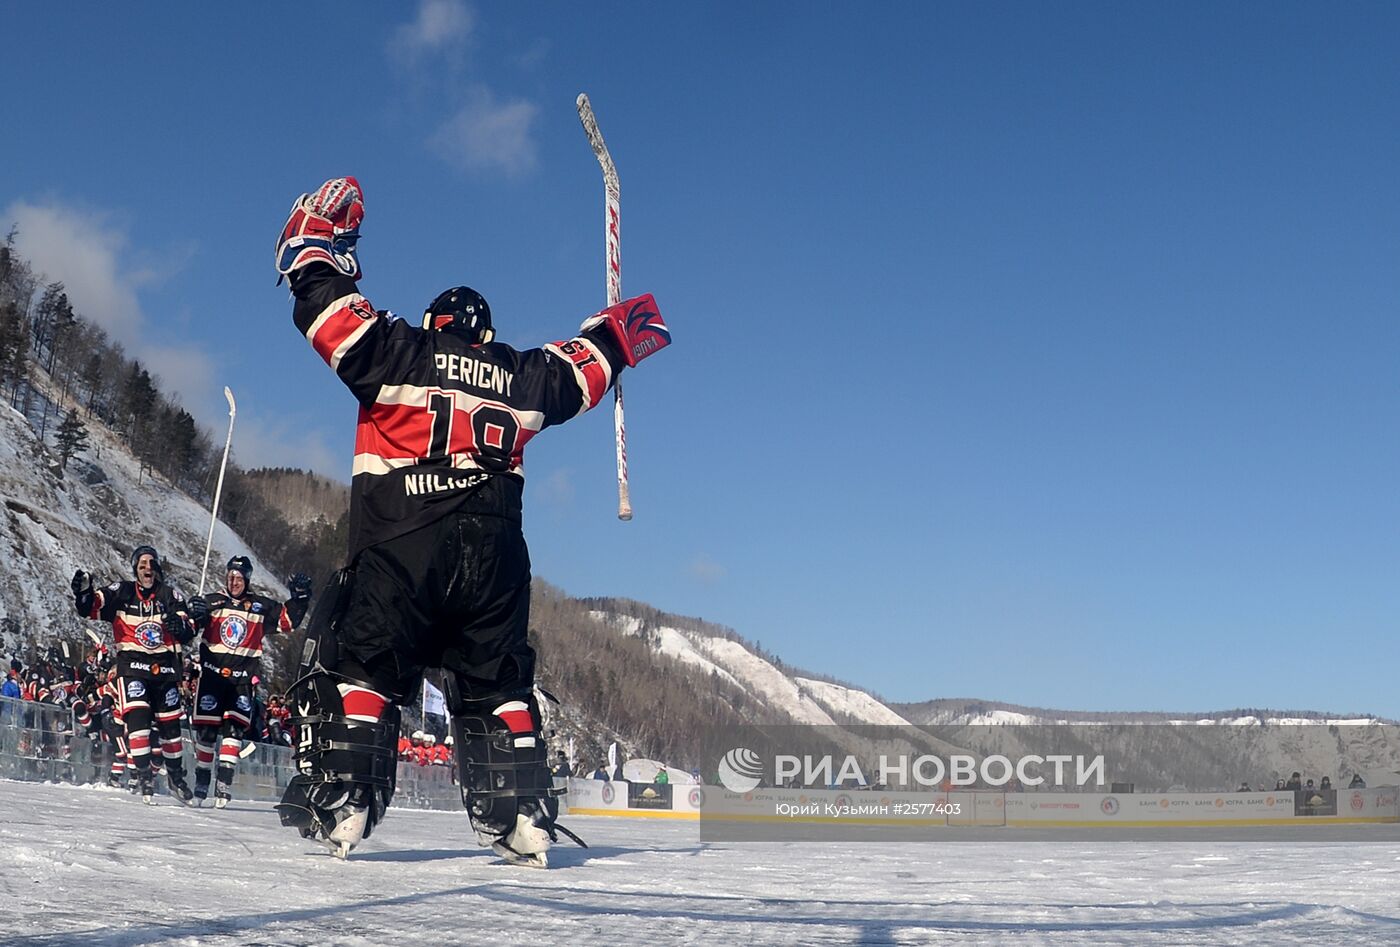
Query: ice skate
527, 843
179, 788
350, 823
145, 785
223, 793
201, 786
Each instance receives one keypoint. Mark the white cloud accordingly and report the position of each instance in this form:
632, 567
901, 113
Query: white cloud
439, 24
257, 443
705, 569
91, 256
81, 249
486, 133
557, 488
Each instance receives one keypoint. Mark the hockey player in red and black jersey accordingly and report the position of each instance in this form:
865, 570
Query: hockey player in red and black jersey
438, 572
149, 624
233, 625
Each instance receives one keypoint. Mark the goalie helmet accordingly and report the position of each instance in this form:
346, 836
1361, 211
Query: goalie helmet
461, 309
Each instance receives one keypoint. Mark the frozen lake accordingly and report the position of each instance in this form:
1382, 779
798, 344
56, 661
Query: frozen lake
93, 866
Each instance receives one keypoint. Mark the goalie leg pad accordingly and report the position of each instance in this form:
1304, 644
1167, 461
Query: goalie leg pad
347, 737
345, 757
501, 760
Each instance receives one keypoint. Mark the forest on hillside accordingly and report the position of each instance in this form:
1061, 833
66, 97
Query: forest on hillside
63, 372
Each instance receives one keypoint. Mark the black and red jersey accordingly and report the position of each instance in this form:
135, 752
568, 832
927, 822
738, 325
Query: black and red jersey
138, 626
233, 640
443, 424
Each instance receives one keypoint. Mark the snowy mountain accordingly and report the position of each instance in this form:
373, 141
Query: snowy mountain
781, 696
1156, 750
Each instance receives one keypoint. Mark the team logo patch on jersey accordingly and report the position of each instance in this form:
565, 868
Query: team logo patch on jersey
208, 702
148, 634
135, 689
233, 632
244, 704
172, 697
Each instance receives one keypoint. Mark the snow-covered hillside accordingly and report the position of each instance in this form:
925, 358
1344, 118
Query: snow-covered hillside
1153, 750
92, 518
800, 699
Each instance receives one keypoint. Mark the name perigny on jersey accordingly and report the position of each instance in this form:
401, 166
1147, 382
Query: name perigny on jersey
474, 372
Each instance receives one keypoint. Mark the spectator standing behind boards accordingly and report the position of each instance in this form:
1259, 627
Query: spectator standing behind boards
1295, 782
11, 687
1279, 786
441, 755
561, 768
1357, 782
602, 773
423, 756
1326, 783
662, 777
1244, 787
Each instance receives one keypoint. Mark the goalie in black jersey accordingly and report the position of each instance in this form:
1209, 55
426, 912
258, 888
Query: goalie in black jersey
438, 572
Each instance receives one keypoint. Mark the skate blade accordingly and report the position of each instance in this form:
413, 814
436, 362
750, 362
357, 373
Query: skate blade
220, 803
532, 860
340, 850
148, 800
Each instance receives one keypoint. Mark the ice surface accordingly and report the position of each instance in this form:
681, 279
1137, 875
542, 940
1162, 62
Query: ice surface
95, 867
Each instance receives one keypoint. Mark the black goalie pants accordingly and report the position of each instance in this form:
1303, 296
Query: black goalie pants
454, 594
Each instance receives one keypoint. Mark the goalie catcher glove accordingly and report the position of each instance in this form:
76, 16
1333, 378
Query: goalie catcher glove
636, 325
82, 593
324, 227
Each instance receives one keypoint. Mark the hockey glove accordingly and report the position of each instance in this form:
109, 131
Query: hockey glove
324, 227
177, 627
636, 325
82, 593
300, 585
198, 608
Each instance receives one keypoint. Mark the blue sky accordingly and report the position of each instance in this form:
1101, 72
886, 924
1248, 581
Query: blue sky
1038, 352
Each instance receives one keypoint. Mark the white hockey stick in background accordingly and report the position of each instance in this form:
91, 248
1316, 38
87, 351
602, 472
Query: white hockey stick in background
613, 239
214, 514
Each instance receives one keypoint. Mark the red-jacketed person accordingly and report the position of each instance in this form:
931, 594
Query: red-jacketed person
234, 624
149, 624
438, 573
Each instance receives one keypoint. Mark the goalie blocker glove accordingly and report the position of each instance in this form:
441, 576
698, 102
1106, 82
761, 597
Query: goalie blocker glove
324, 227
637, 326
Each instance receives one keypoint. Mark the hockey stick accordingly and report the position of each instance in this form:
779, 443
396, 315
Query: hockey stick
214, 514
612, 236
